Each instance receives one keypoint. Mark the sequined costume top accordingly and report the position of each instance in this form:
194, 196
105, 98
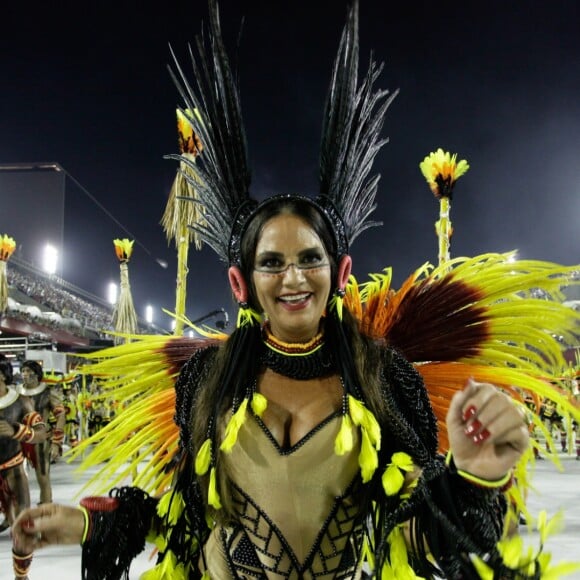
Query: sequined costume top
296, 513
299, 511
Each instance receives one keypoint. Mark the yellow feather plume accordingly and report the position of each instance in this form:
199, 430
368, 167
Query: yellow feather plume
167, 569
399, 559
392, 480
393, 477
203, 458
259, 404
233, 427
248, 316
344, 440
171, 505
213, 496
368, 458
516, 555
361, 416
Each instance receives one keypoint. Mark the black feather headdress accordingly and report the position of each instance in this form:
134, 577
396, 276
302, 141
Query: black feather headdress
353, 121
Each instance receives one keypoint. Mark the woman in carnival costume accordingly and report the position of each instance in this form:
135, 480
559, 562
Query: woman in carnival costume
306, 444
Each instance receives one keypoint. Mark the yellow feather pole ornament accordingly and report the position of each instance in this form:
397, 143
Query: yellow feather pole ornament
3, 287
182, 211
7, 247
441, 170
124, 315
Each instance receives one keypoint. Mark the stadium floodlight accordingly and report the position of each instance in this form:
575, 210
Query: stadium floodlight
50, 259
112, 293
149, 313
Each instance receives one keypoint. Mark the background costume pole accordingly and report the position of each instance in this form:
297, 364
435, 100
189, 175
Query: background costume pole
7, 247
124, 315
441, 171
180, 212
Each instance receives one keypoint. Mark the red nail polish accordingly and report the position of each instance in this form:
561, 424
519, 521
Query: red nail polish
481, 437
473, 427
469, 412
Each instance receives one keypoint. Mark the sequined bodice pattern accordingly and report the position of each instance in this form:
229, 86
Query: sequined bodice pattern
281, 496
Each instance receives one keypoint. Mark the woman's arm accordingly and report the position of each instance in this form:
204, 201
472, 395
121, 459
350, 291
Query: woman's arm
112, 530
47, 525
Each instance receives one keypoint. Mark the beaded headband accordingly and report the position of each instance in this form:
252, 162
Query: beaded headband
220, 175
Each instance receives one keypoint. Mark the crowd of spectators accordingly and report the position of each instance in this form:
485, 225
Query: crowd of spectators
57, 307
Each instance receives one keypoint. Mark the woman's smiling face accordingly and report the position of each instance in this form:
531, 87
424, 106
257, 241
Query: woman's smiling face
291, 277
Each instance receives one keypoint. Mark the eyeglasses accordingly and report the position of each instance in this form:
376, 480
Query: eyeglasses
280, 270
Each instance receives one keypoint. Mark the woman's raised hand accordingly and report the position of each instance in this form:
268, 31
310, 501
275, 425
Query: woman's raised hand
487, 430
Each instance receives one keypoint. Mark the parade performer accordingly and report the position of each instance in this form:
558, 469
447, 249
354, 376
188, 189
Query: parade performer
554, 420
19, 423
46, 402
311, 442
71, 414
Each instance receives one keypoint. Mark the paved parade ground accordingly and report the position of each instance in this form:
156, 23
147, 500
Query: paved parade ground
554, 490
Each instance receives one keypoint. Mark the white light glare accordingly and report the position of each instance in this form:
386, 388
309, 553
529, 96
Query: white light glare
112, 293
50, 259
149, 313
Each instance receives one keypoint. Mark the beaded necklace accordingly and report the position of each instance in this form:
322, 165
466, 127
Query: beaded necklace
302, 361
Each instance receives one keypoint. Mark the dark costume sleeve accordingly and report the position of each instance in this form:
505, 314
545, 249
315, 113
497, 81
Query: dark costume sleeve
406, 396
454, 516
116, 536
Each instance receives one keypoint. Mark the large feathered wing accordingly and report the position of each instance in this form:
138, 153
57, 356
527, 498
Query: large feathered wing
140, 445
489, 317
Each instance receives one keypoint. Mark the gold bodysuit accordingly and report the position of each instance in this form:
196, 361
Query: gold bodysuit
295, 508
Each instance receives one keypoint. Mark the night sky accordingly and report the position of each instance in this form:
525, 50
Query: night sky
85, 85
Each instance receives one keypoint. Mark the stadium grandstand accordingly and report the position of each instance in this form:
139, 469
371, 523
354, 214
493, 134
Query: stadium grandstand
44, 310
48, 309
